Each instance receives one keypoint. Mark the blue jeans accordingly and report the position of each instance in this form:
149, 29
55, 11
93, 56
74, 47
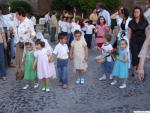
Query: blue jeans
2, 61
68, 36
88, 38
106, 67
70, 40
62, 66
47, 28
12, 47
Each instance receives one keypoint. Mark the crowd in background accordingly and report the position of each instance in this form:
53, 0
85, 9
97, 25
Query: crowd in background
119, 49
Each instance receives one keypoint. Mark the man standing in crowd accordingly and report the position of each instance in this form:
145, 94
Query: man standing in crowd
3, 44
5, 21
53, 26
47, 23
103, 12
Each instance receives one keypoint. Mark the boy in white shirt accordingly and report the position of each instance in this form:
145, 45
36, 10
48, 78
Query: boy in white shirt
106, 66
61, 51
89, 32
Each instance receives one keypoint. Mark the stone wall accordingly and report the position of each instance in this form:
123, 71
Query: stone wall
39, 7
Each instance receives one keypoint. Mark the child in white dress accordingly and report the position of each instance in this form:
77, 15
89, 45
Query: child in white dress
40, 36
43, 57
79, 54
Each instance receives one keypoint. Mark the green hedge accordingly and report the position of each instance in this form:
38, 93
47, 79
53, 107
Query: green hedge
4, 8
20, 3
84, 5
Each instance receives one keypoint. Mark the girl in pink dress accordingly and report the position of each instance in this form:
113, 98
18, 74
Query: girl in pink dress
101, 29
43, 57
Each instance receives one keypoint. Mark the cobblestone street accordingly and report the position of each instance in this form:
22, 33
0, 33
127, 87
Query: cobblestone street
93, 97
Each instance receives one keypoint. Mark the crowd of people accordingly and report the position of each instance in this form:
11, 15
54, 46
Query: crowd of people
120, 49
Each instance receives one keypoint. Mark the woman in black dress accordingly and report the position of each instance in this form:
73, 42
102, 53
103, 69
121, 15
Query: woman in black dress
138, 27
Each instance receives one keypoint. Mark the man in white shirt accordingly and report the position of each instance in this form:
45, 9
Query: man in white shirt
47, 22
74, 26
61, 51
103, 12
89, 33
7, 24
3, 44
54, 25
23, 33
33, 20
64, 25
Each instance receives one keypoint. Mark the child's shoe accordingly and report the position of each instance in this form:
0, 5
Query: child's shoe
47, 90
78, 81
26, 87
103, 77
82, 80
36, 85
114, 82
43, 89
123, 86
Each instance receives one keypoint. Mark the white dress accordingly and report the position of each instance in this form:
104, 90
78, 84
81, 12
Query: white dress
50, 50
43, 67
78, 54
126, 38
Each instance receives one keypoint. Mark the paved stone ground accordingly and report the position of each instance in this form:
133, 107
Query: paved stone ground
92, 97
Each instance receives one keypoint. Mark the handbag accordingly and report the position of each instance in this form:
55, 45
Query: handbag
19, 75
21, 45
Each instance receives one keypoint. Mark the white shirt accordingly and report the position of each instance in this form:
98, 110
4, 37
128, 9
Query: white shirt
69, 27
147, 15
64, 26
24, 31
89, 29
106, 15
75, 27
33, 19
107, 48
61, 51
119, 20
59, 26
47, 18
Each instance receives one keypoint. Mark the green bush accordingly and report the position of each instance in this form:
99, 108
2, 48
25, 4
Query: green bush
111, 5
20, 3
4, 8
84, 5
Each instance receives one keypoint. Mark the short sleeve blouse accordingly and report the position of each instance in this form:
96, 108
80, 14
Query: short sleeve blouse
138, 29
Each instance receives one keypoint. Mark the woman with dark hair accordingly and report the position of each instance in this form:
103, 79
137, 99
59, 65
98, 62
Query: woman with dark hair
24, 32
101, 9
138, 27
123, 28
101, 29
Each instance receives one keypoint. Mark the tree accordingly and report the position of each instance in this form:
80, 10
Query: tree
20, 3
83, 5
